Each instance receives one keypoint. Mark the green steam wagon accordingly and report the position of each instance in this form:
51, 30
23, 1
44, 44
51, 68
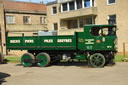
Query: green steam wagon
96, 44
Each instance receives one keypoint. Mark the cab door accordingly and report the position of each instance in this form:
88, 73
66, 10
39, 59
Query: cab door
96, 34
109, 36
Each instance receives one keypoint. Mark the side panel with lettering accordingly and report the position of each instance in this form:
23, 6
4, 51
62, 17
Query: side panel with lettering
66, 42
30, 42
48, 42
14, 42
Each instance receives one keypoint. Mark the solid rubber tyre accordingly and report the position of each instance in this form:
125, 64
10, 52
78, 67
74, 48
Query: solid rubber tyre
26, 56
97, 60
45, 59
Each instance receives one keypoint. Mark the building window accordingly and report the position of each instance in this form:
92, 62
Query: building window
54, 10
71, 5
26, 20
55, 26
65, 7
111, 1
79, 4
74, 24
89, 20
81, 23
10, 19
112, 19
43, 20
86, 3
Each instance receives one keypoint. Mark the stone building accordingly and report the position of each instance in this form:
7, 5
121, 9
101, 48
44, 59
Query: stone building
20, 18
68, 16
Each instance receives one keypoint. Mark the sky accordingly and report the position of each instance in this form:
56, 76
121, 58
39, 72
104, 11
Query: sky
36, 1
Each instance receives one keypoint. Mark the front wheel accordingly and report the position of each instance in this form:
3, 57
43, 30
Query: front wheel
97, 60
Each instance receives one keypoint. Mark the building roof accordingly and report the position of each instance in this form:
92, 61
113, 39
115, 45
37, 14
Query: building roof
24, 6
51, 3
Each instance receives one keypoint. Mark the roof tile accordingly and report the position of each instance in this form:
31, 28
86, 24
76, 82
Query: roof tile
24, 6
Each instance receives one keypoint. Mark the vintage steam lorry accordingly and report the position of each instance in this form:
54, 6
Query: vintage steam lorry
96, 44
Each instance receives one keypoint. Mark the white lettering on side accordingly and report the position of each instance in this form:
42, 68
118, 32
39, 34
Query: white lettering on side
48, 40
29, 41
109, 46
64, 40
14, 41
89, 41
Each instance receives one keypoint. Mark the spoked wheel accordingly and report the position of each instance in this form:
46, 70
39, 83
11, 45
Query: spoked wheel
27, 59
43, 59
97, 60
1, 58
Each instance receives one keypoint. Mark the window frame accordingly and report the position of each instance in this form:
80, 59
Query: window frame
110, 3
89, 4
54, 26
74, 24
53, 10
88, 20
97, 32
78, 4
114, 19
43, 20
12, 20
81, 23
63, 7
70, 6
29, 21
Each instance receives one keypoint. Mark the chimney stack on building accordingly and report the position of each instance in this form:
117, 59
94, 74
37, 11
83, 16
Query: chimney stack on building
41, 1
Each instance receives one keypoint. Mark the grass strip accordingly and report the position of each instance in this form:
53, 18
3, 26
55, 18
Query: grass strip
12, 59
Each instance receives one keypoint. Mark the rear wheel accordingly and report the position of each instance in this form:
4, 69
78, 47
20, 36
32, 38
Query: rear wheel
27, 59
97, 60
1, 58
43, 59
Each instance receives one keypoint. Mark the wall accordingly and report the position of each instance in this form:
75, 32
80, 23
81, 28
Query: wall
53, 18
35, 24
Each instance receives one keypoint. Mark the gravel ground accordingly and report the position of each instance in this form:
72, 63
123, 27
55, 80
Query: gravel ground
14, 74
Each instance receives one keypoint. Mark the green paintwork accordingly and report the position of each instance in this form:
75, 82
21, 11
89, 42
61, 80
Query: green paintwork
42, 43
83, 41
105, 42
44, 59
26, 56
81, 57
97, 60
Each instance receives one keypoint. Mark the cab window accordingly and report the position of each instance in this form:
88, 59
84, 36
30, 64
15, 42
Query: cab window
109, 31
96, 31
